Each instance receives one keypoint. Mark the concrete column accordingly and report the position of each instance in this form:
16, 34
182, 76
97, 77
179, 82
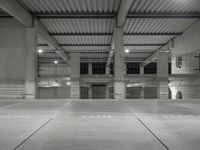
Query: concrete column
107, 70
31, 63
90, 92
162, 75
142, 92
107, 92
75, 76
119, 85
141, 69
90, 68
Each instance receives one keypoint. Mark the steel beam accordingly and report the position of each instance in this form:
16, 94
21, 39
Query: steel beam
163, 15
17, 11
110, 34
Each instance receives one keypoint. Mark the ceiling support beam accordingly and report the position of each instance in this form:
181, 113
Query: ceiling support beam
19, 13
163, 15
52, 43
123, 11
165, 48
75, 15
110, 34
104, 45
120, 22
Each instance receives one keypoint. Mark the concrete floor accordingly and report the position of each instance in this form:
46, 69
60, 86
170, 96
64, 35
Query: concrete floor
100, 125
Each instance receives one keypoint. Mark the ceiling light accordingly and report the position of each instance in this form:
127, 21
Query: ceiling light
55, 62
40, 51
68, 83
127, 50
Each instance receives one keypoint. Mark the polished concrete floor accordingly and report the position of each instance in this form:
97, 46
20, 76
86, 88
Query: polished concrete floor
99, 125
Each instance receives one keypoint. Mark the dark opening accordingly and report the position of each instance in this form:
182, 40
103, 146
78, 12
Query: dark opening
133, 68
84, 68
150, 68
98, 68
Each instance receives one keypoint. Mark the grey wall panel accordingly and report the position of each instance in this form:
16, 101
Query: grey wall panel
133, 92
150, 92
54, 93
98, 91
84, 93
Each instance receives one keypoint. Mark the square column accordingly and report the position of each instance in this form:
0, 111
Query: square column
107, 70
141, 69
90, 68
31, 63
75, 76
142, 92
162, 75
119, 85
90, 91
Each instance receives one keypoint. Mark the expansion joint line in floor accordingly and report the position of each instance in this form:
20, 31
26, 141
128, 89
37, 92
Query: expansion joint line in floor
48, 121
146, 127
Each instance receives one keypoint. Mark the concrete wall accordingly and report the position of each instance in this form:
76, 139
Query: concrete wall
188, 47
54, 93
12, 50
12, 58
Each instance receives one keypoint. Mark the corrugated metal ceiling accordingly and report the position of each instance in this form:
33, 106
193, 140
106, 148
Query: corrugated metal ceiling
146, 39
100, 25
83, 39
79, 25
165, 6
151, 25
86, 48
71, 5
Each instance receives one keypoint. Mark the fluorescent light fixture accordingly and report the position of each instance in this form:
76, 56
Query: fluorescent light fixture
40, 51
127, 50
68, 83
55, 62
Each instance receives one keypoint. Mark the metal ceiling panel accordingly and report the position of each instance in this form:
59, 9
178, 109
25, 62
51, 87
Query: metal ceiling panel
137, 55
94, 55
142, 48
71, 5
86, 48
147, 39
165, 6
150, 25
79, 25
83, 39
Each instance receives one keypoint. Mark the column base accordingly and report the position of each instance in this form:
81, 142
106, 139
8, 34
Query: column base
119, 90
30, 90
75, 90
163, 92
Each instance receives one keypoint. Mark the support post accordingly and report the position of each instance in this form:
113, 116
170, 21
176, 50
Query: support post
75, 76
162, 75
31, 62
119, 85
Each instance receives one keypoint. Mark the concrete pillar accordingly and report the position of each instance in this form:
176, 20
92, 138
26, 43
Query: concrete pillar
141, 69
90, 68
142, 92
119, 85
31, 63
90, 92
107, 92
75, 76
162, 75
107, 70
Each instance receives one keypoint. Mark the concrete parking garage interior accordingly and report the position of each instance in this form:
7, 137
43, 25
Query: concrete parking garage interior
99, 74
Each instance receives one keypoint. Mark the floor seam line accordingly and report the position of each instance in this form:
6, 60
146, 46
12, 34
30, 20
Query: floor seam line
147, 128
48, 121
